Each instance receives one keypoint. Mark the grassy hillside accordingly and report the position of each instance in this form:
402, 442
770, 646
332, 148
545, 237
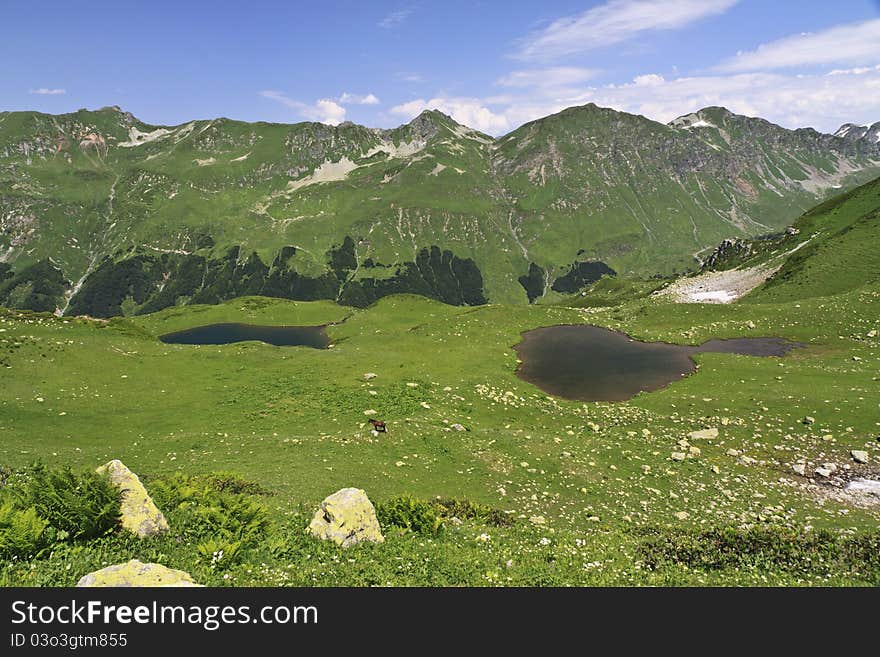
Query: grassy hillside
833, 248
592, 489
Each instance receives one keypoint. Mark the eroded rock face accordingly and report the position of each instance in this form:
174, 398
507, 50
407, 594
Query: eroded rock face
346, 517
139, 514
136, 573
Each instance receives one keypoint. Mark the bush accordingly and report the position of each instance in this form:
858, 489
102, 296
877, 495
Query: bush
22, 532
777, 548
409, 514
467, 510
219, 553
210, 506
77, 505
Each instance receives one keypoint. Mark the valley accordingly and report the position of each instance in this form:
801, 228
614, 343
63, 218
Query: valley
409, 288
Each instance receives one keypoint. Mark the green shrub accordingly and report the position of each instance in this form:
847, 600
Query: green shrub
778, 548
205, 507
219, 553
78, 505
410, 514
467, 510
22, 532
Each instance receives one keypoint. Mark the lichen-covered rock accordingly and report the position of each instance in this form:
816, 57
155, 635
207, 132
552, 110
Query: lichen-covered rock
137, 573
139, 514
704, 434
347, 517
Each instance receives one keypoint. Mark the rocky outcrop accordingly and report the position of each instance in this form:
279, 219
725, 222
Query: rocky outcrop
347, 517
136, 573
139, 514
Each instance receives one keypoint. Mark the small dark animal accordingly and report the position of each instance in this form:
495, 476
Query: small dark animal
378, 425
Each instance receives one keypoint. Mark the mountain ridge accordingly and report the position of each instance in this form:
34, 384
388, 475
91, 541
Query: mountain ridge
586, 185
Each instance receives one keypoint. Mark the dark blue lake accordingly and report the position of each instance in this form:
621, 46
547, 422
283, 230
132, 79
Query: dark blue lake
280, 336
590, 363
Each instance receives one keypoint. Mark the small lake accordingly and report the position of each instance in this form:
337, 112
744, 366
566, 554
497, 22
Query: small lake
590, 363
280, 336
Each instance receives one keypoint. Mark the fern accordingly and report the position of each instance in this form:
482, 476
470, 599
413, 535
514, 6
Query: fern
22, 532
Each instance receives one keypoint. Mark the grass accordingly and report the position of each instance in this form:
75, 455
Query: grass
578, 481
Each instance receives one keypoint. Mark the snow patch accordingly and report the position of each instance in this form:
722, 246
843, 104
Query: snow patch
334, 171
326, 172
138, 138
714, 296
870, 486
699, 124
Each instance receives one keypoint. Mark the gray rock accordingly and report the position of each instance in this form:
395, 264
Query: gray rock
859, 455
457, 427
346, 517
799, 468
136, 573
704, 434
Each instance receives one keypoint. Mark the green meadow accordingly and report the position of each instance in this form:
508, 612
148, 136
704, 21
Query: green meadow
548, 491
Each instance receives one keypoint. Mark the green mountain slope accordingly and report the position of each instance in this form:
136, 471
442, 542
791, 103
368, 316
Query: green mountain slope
833, 248
125, 217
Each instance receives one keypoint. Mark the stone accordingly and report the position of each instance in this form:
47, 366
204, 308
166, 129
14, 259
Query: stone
694, 451
346, 517
704, 434
139, 513
872, 333
733, 452
859, 455
750, 324
799, 468
136, 573
457, 427
368, 376
808, 420
678, 456
681, 515
746, 460
824, 472
538, 520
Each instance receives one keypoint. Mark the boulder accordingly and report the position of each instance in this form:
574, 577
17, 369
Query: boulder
678, 456
859, 455
136, 573
457, 427
799, 468
346, 517
369, 376
139, 514
704, 434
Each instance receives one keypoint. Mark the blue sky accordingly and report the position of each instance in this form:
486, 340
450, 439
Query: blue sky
491, 64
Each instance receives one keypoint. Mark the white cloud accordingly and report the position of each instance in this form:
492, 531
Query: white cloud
854, 44
558, 76
613, 22
356, 99
823, 101
43, 91
472, 112
395, 18
648, 80
324, 110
